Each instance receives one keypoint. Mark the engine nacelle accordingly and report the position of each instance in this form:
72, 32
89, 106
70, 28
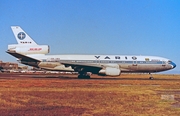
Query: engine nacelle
55, 66
110, 71
32, 49
49, 64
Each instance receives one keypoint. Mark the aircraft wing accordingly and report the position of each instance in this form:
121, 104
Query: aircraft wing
25, 59
86, 67
78, 64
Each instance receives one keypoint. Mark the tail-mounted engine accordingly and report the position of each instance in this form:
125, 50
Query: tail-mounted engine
32, 49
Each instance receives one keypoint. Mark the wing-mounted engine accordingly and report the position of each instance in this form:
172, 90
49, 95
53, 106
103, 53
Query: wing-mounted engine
32, 49
55, 66
111, 70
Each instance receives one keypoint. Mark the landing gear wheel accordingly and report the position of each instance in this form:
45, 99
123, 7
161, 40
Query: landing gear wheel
151, 78
83, 76
80, 76
87, 77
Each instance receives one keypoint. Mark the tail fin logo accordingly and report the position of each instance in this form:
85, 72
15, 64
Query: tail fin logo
21, 35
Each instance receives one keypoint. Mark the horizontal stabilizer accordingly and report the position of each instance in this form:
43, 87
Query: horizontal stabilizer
25, 59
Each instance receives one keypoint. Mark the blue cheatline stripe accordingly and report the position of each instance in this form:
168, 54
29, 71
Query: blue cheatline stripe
108, 61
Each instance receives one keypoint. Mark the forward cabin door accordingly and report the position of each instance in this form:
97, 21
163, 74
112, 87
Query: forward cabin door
163, 63
134, 61
134, 64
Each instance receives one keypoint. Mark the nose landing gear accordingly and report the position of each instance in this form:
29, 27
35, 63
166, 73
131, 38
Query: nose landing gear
151, 77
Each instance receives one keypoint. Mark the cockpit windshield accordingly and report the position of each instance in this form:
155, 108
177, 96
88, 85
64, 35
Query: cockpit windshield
169, 61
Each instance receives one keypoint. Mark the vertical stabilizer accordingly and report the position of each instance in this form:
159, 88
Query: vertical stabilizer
22, 37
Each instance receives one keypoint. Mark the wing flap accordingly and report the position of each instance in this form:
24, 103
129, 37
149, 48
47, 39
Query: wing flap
83, 67
80, 64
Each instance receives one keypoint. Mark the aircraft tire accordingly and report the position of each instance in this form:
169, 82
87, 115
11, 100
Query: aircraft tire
151, 78
84, 77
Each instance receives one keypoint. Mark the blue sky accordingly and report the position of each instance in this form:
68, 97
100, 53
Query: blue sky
138, 27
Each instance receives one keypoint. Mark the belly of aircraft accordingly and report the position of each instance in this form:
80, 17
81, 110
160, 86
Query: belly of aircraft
144, 68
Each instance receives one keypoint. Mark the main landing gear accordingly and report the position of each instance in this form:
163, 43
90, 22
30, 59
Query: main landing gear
83, 75
151, 77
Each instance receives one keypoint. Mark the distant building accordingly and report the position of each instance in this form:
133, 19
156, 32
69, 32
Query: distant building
8, 66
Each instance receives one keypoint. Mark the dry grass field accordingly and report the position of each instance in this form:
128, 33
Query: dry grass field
127, 95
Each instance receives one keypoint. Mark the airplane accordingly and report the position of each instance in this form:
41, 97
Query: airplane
28, 52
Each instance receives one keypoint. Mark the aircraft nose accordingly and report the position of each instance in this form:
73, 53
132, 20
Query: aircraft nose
173, 64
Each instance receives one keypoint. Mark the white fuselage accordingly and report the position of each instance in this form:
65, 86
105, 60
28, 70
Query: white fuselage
126, 63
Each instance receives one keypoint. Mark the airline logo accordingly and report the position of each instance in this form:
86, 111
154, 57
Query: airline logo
21, 35
115, 57
35, 49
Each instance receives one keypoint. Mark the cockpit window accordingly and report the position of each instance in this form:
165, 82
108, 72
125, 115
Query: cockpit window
169, 61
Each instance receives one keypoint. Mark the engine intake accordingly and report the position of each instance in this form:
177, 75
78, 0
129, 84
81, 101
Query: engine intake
110, 71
